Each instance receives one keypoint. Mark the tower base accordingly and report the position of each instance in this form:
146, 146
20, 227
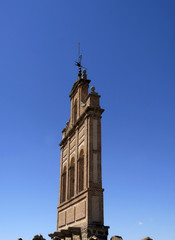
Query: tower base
91, 232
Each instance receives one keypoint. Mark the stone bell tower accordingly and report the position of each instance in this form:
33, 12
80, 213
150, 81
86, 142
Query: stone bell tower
80, 209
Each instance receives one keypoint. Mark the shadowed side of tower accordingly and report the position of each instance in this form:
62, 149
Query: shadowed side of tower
80, 209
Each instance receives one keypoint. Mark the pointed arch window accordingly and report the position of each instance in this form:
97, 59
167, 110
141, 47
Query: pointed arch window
81, 172
72, 178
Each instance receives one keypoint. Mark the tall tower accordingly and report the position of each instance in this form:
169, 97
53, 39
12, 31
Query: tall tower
80, 209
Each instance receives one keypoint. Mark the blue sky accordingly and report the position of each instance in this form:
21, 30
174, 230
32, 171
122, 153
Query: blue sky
129, 51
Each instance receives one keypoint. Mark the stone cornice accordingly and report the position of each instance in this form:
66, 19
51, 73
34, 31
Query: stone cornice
78, 197
89, 111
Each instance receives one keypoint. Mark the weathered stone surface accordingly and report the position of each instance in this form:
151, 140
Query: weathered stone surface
116, 238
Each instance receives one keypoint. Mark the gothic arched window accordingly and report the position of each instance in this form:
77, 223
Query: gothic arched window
81, 172
72, 178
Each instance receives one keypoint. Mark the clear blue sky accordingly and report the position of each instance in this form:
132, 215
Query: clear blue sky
129, 50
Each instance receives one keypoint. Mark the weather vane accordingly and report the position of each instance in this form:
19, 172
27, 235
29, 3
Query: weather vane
78, 63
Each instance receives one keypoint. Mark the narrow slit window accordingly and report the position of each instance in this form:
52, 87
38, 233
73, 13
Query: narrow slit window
81, 172
75, 111
72, 178
63, 178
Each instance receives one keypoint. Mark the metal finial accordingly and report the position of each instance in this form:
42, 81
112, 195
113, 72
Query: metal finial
78, 63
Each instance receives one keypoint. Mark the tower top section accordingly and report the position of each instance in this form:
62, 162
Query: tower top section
83, 103
82, 80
